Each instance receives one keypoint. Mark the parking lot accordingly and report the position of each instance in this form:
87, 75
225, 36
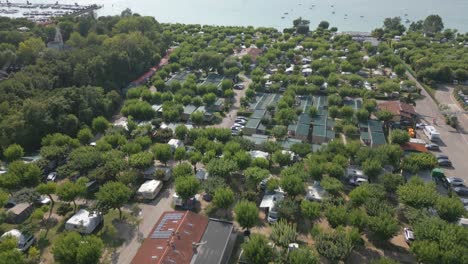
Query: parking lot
454, 142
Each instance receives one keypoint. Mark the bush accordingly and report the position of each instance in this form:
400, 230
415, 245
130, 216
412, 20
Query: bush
336, 215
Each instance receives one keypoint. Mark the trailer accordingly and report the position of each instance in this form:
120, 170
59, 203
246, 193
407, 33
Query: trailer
150, 189
84, 222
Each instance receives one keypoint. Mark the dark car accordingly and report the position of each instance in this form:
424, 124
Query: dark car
462, 191
442, 156
444, 162
432, 146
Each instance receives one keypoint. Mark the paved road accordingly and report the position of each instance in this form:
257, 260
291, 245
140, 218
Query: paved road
454, 142
228, 121
149, 215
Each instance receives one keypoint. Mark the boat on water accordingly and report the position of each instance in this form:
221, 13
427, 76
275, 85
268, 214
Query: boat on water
282, 17
362, 16
286, 13
333, 12
407, 21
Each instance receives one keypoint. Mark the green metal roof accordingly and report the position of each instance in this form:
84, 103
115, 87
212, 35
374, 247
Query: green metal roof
258, 114
378, 138
304, 119
189, 109
288, 143
319, 130
302, 129
257, 139
375, 126
252, 123
331, 134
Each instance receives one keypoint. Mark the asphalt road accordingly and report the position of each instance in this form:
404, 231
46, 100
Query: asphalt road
454, 142
149, 215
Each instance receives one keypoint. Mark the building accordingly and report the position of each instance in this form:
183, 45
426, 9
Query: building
175, 143
19, 213
402, 112
372, 133
258, 140
322, 129
414, 147
186, 237
188, 110
254, 126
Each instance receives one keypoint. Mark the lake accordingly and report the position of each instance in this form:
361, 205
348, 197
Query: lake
359, 15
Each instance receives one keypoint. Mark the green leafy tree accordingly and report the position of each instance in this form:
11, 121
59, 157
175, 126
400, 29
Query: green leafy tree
391, 182
9, 252
257, 250
181, 131
223, 198
335, 245
384, 226
399, 137
221, 168
283, 233
162, 152
71, 247
85, 135
195, 157
332, 185
180, 154
365, 192
336, 215
187, 187
246, 214
292, 184
141, 160
417, 194
449, 208
372, 168
113, 195
13, 152
254, 175
100, 124
283, 159
20, 174
197, 118
48, 189
302, 256
433, 24
311, 210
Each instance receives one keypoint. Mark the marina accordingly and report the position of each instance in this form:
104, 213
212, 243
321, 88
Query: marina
45, 11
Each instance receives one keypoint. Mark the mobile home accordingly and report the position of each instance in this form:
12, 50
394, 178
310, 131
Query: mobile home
150, 189
84, 222
431, 133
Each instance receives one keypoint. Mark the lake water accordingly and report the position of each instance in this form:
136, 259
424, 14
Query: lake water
347, 13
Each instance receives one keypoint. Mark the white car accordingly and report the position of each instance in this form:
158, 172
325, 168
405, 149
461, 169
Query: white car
272, 216
420, 125
241, 118
52, 177
237, 126
240, 122
454, 181
357, 181
409, 235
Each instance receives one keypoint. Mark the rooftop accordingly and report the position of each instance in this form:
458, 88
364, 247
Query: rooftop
171, 239
398, 108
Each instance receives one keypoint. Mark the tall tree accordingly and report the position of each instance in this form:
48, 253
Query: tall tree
246, 214
257, 250
113, 195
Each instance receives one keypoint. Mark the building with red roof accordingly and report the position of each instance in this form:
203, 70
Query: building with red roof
185, 237
401, 111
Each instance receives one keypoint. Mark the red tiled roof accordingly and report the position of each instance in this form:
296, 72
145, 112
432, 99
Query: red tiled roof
171, 239
398, 108
414, 147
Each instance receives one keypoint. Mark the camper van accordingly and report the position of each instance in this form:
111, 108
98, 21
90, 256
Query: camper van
84, 222
431, 133
150, 189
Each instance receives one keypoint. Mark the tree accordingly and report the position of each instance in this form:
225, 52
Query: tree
187, 187
9, 252
302, 256
29, 50
301, 149
311, 210
48, 189
84, 136
292, 184
257, 250
391, 182
71, 247
13, 152
243, 159
113, 195
283, 233
384, 115
417, 194
336, 215
141, 160
384, 226
181, 131
372, 168
162, 152
282, 158
419, 161
324, 25
254, 175
100, 124
449, 208
335, 245
399, 137
433, 24
246, 214
365, 192
197, 118
195, 157
399, 70
362, 115
332, 185
279, 131
180, 154
20, 174
221, 168
223, 198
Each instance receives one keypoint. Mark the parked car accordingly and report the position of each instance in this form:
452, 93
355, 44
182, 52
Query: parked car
444, 162
432, 146
357, 181
409, 235
454, 181
442, 156
240, 122
462, 190
239, 86
43, 200
51, 177
241, 118
238, 126
272, 216
420, 125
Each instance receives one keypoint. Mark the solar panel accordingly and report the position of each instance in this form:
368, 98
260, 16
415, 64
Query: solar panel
158, 232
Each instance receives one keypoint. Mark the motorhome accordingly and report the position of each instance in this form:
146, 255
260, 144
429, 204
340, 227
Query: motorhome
431, 133
150, 189
84, 222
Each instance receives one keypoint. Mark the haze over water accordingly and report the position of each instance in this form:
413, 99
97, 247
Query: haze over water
269, 13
